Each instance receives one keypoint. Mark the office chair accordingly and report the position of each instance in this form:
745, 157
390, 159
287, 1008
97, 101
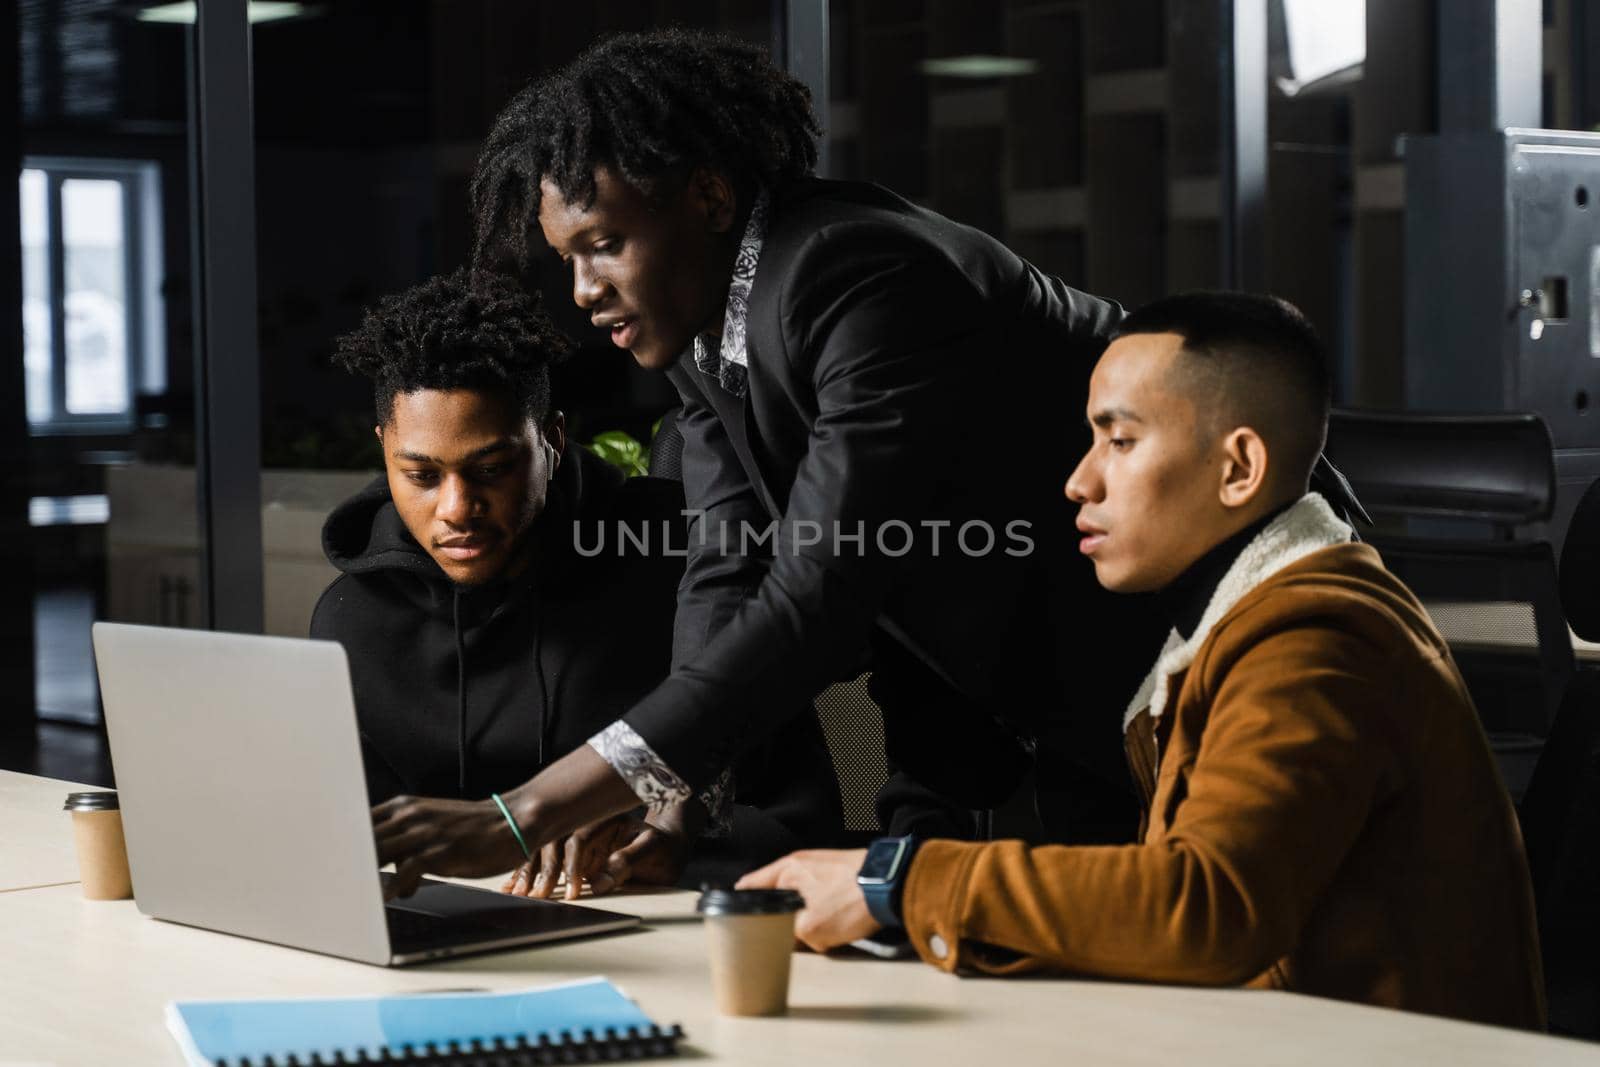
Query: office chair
1560, 812
666, 449
853, 724
1456, 500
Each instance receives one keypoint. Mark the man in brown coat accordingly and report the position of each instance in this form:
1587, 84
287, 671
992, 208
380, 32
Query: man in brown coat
1322, 812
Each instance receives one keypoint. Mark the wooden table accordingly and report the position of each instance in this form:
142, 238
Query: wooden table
35, 833
85, 983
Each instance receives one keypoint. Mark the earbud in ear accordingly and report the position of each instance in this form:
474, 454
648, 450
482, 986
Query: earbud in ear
553, 458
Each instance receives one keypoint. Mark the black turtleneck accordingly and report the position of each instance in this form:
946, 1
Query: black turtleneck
1187, 596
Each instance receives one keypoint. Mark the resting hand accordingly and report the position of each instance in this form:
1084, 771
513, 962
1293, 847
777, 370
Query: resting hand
604, 855
835, 913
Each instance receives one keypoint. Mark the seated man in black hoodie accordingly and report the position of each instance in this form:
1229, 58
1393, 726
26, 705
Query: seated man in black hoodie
487, 635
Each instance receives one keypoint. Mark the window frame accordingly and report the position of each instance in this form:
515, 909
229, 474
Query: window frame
145, 346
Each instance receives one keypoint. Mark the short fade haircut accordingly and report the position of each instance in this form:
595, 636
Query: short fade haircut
465, 330
650, 106
1249, 359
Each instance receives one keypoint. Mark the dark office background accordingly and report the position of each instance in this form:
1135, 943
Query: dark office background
1090, 135
1097, 155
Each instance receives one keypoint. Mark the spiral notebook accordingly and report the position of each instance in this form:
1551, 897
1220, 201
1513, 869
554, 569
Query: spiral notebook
578, 1021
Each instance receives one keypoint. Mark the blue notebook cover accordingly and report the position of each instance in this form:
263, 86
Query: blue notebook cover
239, 1031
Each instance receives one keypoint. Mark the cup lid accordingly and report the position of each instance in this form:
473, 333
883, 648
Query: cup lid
100, 800
716, 901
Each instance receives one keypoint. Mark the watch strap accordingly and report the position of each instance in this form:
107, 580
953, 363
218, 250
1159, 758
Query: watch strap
883, 898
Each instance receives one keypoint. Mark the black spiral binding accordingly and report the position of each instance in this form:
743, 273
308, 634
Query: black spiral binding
587, 1046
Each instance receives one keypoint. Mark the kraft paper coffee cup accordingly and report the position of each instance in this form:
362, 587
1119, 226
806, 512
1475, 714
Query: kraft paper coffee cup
102, 854
750, 933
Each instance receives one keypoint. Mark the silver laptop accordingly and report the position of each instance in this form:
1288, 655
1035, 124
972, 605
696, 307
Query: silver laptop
245, 807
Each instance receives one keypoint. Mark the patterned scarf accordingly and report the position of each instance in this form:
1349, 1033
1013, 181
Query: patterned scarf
726, 360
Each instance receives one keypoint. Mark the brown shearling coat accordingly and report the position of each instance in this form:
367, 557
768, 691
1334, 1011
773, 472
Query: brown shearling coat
1325, 816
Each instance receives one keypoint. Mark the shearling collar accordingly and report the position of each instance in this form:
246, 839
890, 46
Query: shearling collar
1309, 525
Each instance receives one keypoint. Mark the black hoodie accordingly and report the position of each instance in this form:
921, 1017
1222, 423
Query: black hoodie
532, 667
463, 691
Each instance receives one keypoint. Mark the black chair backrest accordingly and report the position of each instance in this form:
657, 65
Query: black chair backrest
1580, 566
1560, 812
666, 449
1495, 596
852, 722
1498, 469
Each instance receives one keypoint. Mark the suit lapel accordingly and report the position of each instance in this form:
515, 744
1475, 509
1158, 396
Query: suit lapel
734, 413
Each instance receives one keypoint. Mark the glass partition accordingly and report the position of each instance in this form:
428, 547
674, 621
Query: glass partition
107, 352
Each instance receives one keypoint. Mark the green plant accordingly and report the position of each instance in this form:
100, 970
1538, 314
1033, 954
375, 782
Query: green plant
621, 450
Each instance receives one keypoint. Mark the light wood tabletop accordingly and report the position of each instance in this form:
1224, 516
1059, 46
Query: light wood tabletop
86, 982
35, 833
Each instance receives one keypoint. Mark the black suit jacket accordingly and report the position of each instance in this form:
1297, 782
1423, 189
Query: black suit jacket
903, 369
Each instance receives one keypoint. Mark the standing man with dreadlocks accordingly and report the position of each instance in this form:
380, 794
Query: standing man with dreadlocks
878, 404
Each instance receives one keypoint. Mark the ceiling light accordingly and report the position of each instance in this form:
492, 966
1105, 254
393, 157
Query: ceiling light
979, 66
260, 11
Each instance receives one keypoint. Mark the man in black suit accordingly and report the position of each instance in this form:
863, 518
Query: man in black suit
878, 405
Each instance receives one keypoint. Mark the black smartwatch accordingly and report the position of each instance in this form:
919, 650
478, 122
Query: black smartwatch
882, 877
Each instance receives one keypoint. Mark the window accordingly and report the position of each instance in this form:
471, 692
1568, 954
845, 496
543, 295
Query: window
91, 271
1327, 43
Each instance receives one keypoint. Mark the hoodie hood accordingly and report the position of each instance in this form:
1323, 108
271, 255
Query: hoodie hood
366, 536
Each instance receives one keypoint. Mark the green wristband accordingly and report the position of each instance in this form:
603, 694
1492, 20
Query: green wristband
513, 824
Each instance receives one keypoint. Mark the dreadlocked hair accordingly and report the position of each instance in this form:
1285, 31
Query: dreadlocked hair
650, 106
465, 330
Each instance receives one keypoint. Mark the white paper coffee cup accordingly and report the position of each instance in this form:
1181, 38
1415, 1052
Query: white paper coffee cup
750, 935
